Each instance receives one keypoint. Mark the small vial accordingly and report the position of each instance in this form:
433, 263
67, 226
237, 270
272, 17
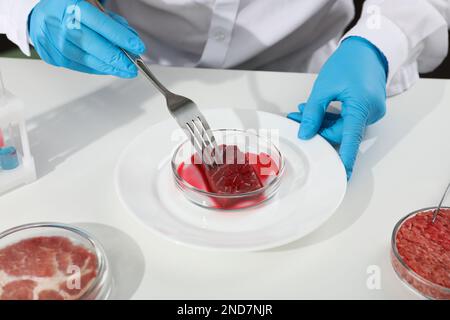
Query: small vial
2, 139
16, 162
8, 158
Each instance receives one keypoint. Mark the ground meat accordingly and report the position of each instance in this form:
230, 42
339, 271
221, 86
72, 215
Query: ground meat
46, 268
425, 248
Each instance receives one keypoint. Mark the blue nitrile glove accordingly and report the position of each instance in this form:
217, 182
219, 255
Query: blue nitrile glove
355, 75
76, 35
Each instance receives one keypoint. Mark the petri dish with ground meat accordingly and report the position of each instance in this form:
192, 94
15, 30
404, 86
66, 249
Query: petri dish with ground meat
420, 252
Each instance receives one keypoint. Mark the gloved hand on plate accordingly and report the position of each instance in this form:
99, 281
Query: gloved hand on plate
355, 75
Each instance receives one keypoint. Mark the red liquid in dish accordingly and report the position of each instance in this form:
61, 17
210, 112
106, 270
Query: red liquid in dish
240, 173
39, 269
425, 248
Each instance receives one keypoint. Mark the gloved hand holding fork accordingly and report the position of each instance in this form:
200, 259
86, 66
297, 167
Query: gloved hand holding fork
74, 34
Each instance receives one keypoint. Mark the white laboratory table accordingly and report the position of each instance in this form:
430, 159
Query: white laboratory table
79, 124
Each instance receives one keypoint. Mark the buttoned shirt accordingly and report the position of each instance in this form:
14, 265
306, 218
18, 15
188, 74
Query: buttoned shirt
279, 35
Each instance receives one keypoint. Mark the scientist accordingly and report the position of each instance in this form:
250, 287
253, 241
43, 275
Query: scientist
382, 55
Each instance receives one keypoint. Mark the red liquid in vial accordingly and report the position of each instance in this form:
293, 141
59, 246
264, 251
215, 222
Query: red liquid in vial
239, 173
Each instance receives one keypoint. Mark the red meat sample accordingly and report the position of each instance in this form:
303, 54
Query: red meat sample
46, 268
425, 248
18, 290
237, 173
234, 174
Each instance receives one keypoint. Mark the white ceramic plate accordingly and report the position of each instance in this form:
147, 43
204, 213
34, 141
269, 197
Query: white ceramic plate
312, 188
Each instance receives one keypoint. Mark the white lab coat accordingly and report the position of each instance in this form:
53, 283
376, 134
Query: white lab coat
282, 35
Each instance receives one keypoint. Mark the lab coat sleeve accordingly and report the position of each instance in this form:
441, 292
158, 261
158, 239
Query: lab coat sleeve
412, 34
14, 21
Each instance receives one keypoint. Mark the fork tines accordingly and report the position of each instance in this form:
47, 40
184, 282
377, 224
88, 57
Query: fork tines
203, 139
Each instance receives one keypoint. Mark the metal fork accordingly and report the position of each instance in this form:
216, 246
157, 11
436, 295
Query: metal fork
183, 109
186, 113
438, 209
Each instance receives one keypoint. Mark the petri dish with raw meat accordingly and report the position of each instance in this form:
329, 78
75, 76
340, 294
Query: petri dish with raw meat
420, 252
51, 261
243, 171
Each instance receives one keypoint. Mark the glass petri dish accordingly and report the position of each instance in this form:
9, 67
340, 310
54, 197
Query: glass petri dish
257, 149
414, 265
52, 261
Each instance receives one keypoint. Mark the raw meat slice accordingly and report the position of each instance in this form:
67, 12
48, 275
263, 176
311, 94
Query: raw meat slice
239, 173
46, 268
50, 295
234, 175
18, 290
